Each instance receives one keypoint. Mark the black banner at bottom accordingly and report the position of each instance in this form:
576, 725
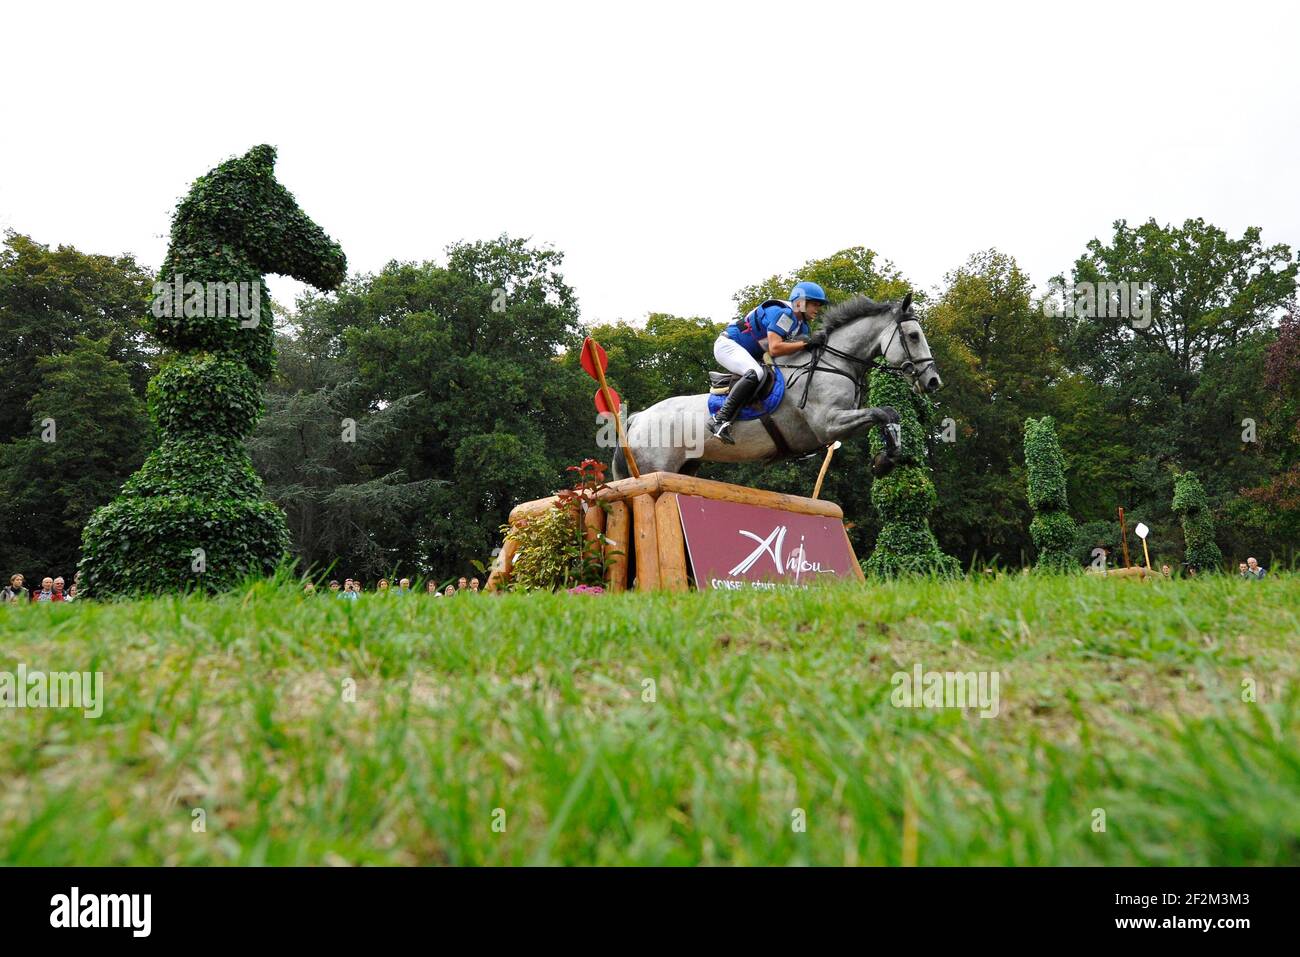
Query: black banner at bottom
335, 906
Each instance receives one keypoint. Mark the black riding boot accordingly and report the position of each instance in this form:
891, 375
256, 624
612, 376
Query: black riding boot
737, 398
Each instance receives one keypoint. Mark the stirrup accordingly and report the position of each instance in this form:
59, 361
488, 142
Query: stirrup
721, 430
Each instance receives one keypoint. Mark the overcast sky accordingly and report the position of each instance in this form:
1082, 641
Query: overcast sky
673, 151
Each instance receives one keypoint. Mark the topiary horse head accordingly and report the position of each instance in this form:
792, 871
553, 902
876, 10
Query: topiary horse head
194, 515
236, 224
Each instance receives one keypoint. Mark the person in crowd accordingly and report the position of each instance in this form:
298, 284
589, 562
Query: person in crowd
14, 591
1255, 570
462, 584
47, 590
431, 588
309, 588
451, 590
334, 585
383, 585
59, 594
1166, 571
349, 591
1242, 570
473, 586
404, 586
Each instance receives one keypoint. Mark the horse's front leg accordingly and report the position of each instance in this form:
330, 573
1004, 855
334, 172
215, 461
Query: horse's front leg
846, 422
849, 421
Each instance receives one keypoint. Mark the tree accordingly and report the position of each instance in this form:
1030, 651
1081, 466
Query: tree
500, 412
88, 433
50, 298
1271, 509
327, 470
999, 364
1202, 325
1207, 292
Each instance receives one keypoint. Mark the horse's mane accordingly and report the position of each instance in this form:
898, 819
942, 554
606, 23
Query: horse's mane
858, 307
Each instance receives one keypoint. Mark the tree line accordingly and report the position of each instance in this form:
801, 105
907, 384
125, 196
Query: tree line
414, 407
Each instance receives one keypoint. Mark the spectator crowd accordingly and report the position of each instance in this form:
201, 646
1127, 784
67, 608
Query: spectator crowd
52, 589
350, 589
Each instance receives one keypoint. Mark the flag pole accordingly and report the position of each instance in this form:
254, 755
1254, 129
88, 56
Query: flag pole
614, 410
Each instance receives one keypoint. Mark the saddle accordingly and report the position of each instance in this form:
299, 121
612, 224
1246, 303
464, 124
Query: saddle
720, 383
769, 396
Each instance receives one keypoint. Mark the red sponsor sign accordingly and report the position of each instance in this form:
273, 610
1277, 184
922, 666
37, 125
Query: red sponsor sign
748, 546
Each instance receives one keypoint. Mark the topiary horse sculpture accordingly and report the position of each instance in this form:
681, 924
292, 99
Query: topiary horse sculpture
195, 515
822, 392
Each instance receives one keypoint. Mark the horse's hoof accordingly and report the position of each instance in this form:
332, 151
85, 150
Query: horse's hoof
882, 465
891, 415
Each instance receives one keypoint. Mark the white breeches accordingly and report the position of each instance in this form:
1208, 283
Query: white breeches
734, 357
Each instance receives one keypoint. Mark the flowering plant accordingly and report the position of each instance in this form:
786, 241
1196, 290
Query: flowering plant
558, 549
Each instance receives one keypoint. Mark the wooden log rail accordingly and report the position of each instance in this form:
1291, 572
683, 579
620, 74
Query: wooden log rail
642, 530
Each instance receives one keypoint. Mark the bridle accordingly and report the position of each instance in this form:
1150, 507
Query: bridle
910, 367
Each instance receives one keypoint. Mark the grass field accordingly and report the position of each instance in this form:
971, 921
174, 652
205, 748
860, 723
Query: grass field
515, 730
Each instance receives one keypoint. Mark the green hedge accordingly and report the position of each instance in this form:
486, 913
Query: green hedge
146, 545
1052, 529
198, 489
205, 394
1193, 509
906, 496
208, 466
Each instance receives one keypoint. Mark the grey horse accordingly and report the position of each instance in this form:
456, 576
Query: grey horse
824, 387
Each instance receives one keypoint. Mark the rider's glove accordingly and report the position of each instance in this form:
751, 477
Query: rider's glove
816, 340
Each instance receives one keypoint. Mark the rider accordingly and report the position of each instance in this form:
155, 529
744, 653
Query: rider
777, 326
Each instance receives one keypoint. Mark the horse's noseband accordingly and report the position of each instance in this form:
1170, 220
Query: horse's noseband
912, 365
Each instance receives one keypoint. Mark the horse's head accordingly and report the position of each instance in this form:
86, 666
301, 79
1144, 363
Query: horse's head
905, 349
242, 206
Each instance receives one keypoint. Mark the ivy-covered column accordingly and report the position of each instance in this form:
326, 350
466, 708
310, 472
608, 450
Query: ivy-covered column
1193, 510
1052, 529
195, 516
905, 497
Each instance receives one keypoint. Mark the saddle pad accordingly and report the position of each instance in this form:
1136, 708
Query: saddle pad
766, 407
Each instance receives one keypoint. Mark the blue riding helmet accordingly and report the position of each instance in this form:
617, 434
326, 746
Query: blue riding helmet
809, 291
